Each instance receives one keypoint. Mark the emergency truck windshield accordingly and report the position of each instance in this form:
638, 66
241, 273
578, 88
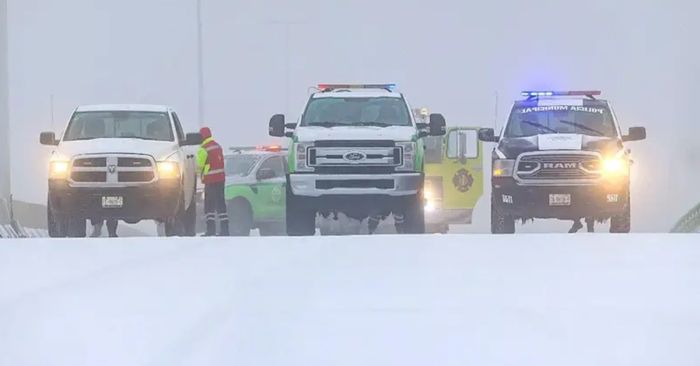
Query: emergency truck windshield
376, 111
537, 120
119, 124
240, 165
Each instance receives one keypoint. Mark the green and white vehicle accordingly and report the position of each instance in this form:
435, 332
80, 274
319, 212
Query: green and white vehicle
255, 190
355, 150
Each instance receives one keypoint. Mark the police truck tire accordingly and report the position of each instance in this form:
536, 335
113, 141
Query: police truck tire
240, 217
501, 223
174, 226
621, 224
301, 220
414, 215
57, 225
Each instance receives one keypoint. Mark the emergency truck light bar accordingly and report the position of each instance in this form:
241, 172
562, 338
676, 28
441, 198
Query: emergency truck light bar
271, 148
329, 87
541, 93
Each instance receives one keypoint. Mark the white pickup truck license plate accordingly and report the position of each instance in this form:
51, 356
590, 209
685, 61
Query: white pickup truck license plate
560, 200
112, 202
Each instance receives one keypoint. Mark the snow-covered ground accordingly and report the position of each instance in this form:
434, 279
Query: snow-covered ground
383, 300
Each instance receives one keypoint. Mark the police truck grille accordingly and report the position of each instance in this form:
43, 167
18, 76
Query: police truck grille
354, 154
112, 170
558, 167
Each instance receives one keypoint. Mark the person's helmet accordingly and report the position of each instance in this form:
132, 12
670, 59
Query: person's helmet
205, 132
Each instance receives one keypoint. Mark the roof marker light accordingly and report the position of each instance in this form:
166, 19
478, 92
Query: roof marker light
547, 93
328, 87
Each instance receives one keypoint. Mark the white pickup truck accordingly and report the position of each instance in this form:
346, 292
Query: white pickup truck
126, 162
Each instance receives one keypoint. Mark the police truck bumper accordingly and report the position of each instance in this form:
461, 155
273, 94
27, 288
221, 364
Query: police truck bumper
153, 201
391, 185
602, 200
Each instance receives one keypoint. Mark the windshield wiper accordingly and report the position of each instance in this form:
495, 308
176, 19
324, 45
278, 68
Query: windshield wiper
327, 124
582, 127
539, 125
375, 124
84, 138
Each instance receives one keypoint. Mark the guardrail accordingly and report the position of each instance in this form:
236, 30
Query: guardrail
688, 223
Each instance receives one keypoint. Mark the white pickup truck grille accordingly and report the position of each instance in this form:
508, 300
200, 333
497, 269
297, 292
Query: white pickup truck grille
112, 170
354, 156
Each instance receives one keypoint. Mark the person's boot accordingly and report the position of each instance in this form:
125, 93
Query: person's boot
211, 228
372, 224
96, 231
590, 225
576, 227
112, 228
223, 230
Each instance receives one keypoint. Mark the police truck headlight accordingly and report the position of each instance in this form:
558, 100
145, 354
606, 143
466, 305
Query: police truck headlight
301, 157
408, 159
58, 169
168, 170
503, 168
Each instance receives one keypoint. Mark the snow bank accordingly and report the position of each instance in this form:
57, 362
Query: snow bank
383, 300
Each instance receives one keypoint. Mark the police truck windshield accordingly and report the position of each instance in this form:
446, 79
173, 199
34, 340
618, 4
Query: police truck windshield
377, 111
240, 165
119, 124
537, 120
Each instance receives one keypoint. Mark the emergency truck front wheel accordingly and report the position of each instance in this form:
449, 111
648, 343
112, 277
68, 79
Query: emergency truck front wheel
301, 220
57, 224
500, 222
240, 217
622, 223
414, 215
175, 226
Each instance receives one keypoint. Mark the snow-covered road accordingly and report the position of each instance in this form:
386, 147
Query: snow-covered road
381, 300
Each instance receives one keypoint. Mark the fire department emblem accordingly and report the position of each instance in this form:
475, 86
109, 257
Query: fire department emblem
463, 180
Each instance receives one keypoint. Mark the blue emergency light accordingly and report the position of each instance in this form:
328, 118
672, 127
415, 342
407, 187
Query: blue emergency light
328, 87
549, 93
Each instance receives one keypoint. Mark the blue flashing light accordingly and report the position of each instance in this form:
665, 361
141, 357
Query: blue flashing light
548, 93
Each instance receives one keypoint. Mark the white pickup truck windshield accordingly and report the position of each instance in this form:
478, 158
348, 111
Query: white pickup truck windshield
119, 124
376, 111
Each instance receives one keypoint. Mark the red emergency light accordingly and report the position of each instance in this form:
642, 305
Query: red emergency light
271, 148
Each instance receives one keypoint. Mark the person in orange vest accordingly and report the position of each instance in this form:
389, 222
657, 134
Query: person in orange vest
210, 161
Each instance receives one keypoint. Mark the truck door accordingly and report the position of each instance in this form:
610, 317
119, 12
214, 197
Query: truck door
463, 169
270, 196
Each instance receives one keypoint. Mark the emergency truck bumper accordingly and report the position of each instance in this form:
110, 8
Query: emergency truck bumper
447, 216
599, 201
153, 201
319, 185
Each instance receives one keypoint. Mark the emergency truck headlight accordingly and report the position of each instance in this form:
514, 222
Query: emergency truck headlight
168, 170
408, 162
613, 167
58, 169
301, 151
503, 168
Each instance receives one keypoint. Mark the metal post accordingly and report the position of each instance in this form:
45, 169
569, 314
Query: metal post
200, 67
4, 107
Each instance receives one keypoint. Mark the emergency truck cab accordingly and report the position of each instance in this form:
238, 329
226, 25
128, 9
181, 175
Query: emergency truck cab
255, 190
355, 150
561, 155
126, 162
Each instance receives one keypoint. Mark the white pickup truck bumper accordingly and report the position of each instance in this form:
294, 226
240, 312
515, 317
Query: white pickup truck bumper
317, 185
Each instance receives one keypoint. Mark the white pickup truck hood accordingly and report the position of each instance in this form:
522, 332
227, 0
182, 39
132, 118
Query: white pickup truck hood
157, 149
395, 133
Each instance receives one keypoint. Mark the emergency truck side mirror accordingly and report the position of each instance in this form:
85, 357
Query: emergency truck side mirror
48, 138
488, 135
635, 134
437, 125
265, 173
277, 125
192, 139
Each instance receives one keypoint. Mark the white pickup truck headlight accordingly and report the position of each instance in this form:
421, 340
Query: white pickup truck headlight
409, 156
58, 169
503, 168
168, 170
301, 150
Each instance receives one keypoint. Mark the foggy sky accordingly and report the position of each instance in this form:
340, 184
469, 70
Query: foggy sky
452, 56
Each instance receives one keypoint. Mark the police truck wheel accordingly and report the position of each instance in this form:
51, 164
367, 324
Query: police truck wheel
622, 223
240, 218
414, 215
301, 220
501, 223
174, 226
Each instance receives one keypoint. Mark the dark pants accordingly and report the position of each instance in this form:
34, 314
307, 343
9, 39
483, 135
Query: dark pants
111, 226
215, 208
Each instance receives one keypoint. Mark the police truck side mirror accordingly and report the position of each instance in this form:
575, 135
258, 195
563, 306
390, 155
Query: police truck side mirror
488, 135
48, 138
192, 139
635, 134
277, 125
437, 125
